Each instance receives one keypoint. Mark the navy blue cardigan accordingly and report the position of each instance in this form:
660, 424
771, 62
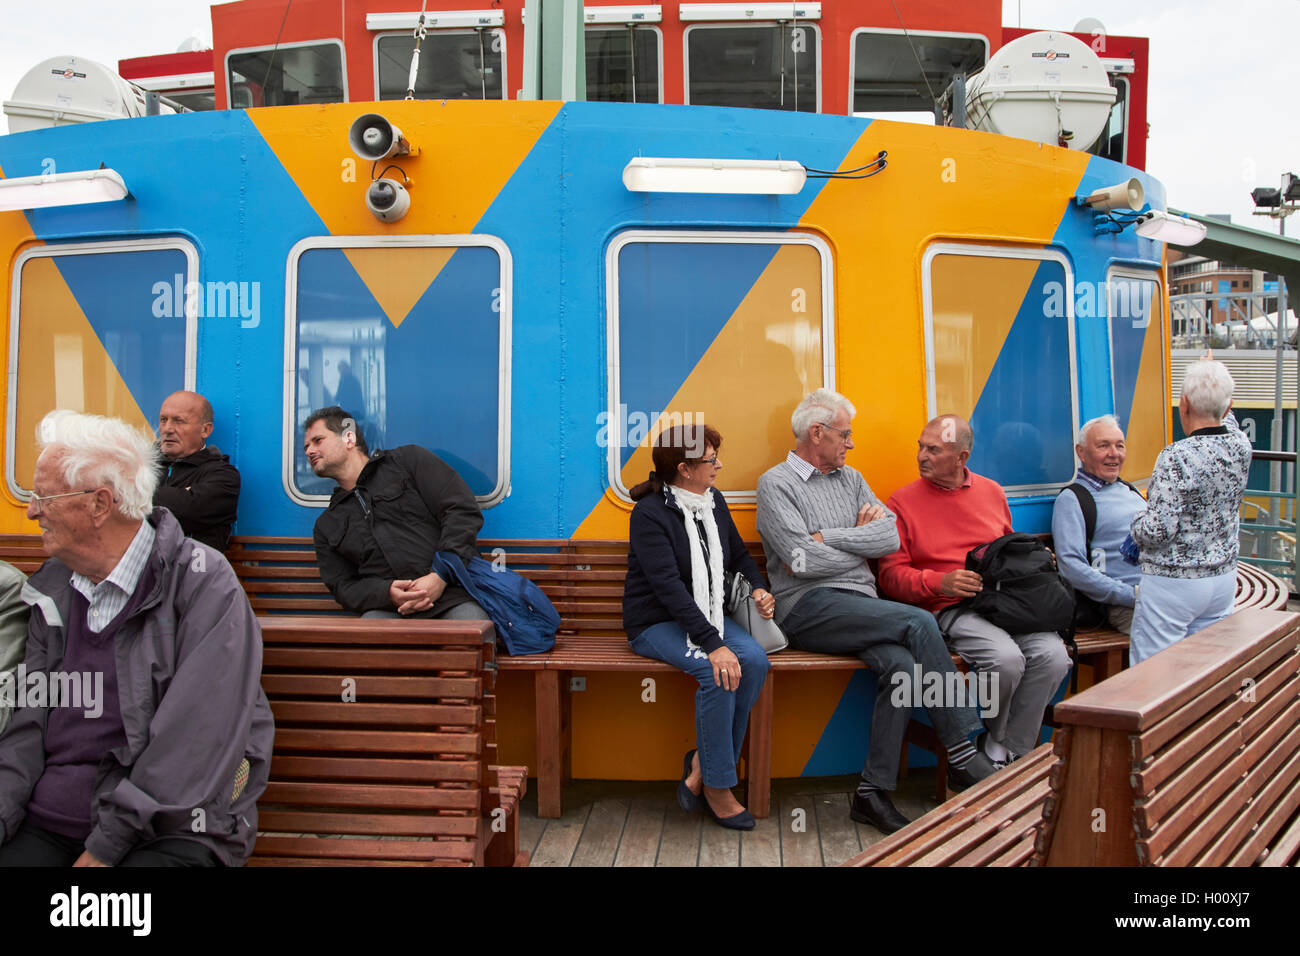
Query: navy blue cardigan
658, 586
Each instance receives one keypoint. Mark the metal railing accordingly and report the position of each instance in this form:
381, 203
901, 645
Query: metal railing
1268, 538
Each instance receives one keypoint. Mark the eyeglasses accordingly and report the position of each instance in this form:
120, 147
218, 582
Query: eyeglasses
707, 461
846, 432
38, 501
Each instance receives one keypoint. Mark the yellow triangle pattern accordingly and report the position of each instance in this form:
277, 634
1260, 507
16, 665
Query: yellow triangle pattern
398, 276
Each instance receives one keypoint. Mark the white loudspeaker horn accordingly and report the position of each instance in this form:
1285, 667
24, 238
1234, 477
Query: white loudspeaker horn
1129, 195
374, 138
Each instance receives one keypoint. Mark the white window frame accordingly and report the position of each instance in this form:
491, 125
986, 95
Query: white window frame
374, 54
853, 49
927, 310
290, 424
741, 25
190, 376
613, 465
640, 25
1148, 273
323, 41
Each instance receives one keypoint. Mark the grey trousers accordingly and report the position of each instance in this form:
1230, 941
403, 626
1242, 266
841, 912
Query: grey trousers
1121, 618
1029, 668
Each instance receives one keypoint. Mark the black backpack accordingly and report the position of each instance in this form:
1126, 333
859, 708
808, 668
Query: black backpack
1089, 614
1023, 591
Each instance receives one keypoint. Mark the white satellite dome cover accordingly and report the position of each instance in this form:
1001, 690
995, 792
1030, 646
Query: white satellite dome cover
1049, 87
71, 89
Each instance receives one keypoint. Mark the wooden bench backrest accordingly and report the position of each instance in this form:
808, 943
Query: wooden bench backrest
1193, 756
381, 733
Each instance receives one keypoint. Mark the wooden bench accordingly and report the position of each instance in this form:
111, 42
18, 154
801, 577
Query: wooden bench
1190, 758
385, 747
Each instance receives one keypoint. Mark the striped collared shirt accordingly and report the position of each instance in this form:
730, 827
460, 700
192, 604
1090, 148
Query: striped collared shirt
804, 469
109, 596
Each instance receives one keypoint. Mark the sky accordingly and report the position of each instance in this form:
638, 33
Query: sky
1223, 76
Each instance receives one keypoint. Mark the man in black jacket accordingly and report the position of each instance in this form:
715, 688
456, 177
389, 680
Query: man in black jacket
196, 483
389, 515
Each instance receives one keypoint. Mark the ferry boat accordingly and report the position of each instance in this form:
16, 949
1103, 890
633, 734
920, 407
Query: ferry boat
566, 277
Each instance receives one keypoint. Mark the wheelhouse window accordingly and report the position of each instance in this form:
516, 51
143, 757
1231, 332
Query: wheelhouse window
1138, 341
411, 337
999, 330
1111, 143
623, 64
106, 328
697, 320
454, 65
899, 73
287, 75
770, 66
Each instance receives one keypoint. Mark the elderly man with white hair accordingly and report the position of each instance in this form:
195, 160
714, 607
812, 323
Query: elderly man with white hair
1188, 534
820, 523
1090, 521
145, 738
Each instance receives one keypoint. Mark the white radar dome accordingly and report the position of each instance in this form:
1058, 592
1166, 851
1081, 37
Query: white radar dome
71, 89
1047, 87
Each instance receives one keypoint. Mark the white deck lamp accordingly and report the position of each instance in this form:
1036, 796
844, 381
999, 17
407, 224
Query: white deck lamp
61, 189
1173, 230
647, 174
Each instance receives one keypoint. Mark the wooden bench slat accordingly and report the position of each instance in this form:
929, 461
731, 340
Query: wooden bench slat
347, 795
320, 658
1287, 846
368, 824
374, 769
1248, 834
374, 741
325, 713
372, 686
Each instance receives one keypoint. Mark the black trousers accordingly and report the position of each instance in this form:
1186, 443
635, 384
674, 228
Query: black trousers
33, 846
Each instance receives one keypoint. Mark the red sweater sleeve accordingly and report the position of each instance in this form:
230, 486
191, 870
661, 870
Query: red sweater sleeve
898, 577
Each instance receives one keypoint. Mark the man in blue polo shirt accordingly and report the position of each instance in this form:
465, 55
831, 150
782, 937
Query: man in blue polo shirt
1101, 499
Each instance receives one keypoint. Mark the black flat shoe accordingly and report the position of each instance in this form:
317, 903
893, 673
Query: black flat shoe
688, 801
739, 821
877, 810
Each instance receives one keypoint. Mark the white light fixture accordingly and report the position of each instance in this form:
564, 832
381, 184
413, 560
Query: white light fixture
640, 14
647, 174
61, 189
1174, 230
749, 11
437, 20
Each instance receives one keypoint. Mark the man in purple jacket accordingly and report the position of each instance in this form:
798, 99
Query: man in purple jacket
140, 736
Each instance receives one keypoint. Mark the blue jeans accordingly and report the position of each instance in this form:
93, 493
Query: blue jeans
721, 716
891, 639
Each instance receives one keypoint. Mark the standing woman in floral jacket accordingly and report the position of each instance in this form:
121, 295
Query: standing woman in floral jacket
1188, 533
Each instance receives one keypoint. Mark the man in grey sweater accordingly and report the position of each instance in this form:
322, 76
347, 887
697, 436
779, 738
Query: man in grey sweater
820, 523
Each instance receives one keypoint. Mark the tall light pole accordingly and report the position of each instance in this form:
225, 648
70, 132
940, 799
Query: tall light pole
1278, 204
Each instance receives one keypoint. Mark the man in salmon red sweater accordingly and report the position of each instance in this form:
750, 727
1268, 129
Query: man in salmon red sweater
942, 515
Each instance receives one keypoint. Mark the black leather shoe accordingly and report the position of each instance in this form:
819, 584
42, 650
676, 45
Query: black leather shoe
688, 801
972, 773
876, 809
737, 821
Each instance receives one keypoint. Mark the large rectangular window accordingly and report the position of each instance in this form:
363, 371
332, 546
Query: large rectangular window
731, 330
454, 65
771, 66
106, 328
1138, 341
999, 335
411, 337
894, 73
287, 74
623, 64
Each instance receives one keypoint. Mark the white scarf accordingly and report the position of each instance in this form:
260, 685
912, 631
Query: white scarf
708, 598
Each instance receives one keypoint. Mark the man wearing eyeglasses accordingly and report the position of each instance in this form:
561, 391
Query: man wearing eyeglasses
388, 517
820, 524
141, 736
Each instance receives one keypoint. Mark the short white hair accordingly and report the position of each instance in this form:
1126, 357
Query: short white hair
819, 407
1208, 388
1093, 423
97, 451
